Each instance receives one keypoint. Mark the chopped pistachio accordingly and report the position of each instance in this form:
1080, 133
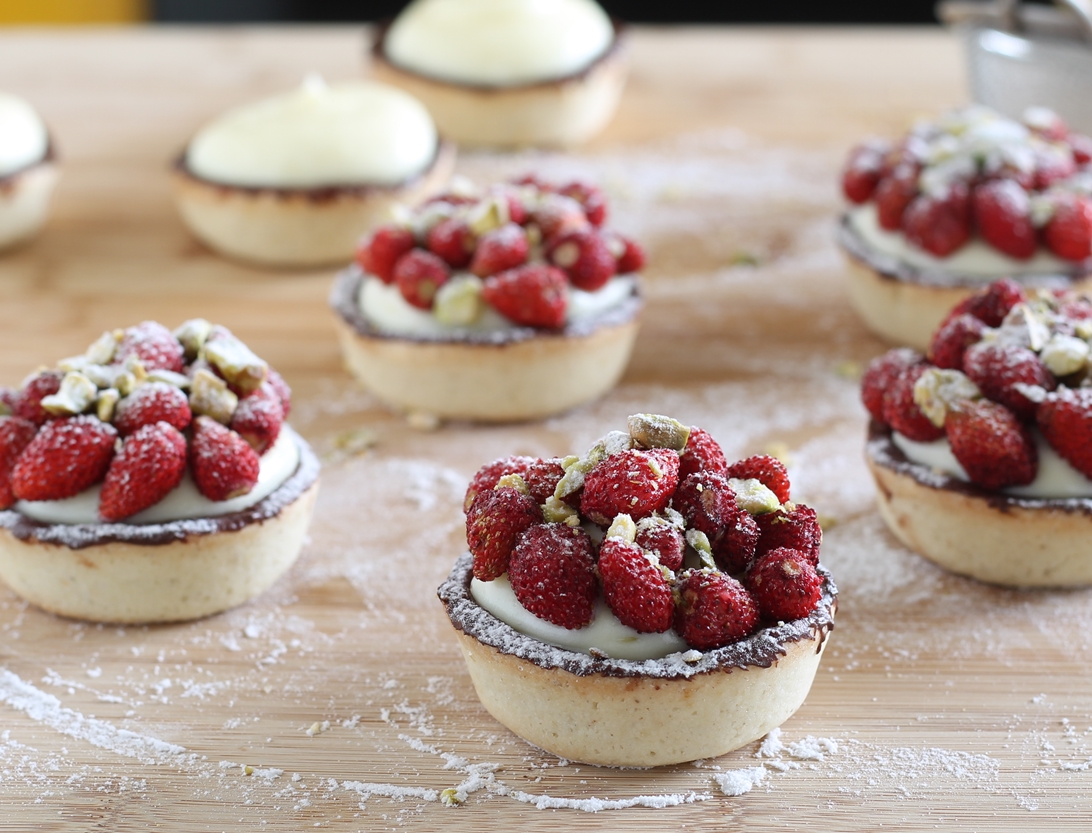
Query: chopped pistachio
77, 363
655, 431
248, 770
131, 376
176, 380
1083, 328
451, 797
674, 517
699, 542
754, 496
75, 395
192, 335
238, 364
103, 349
354, 441
692, 655
459, 301
576, 468
937, 391
209, 395
556, 511
102, 375
1064, 354
513, 481
623, 527
106, 403
491, 213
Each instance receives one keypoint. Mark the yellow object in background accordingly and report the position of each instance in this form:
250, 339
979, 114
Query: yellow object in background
73, 11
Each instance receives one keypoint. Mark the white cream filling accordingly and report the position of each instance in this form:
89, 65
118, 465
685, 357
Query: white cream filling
498, 42
23, 136
385, 309
605, 633
976, 259
184, 502
359, 133
1055, 478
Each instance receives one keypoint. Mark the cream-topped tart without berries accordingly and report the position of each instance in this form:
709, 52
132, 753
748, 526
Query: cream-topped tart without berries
982, 450
509, 303
27, 171
291, 180
643, 604
966, 199
507, 72
151, 479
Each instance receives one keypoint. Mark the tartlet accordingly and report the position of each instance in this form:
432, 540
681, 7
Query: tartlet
290, 181
966, 199
28, 171
684, 628
507, 73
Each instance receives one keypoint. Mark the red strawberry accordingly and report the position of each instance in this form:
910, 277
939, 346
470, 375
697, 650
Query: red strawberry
880, 376
533, 295
702, 453
1065, 418
15, 436
663, 539
542, 477
418, 275
150, 403
939, 224
998, 368
258, 418
794, 526
862, 171
584, 256
1046, 123
500, 249
902, 413
632, 258
378, 254
785, 585
65, 457
770, 471
1053, 164
43, 384
736, 548
590, 198
992, 304
222, 464
154, 345
9, 398
894, 193
707, 503
952, 339
488, 475
1002, 214
556, 214
635, 482
1069, 231
453, 241
991, 444
552, 571
150, 464
280, 387
1081, 145
495, 521
635, 590
713, 610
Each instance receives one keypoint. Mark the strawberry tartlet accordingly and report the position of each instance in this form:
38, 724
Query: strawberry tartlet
644, 604
290, 180
507, 304
151, 479
27, 171
970, 198
982, 450
507, 72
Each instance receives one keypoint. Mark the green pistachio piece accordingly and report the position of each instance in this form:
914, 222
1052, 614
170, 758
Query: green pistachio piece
514, 481
209, 395
623, 527
699, 542
236, 362
655, 431
192, 335
106, 404
459, 301
556, 511
753, 496
103, 349
75, 395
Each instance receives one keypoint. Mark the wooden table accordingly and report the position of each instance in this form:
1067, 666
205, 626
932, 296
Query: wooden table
338, 700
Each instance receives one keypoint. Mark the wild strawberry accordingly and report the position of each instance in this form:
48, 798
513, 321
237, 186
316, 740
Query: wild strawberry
15, 436
1068, 233
768, 470
1046, 123
992, 304
552, 571
881, 374
64, 458
635, 482
992, 445
500, 249
736, 548
997, 369
1002, 214
794, 526
280, 387
9, 398
590, 198
584, 256
952, 339
902, 413
378, 254
222, 464
1053, 164
150, 464
939, 224
533, 295
258, 418
632, 257
494, 522
542, 477
893, 194
556, 214
150, 403
418, 274
39, 386
785, 585
1065, 418
663, 539
707, 503
635, 589
713, 610
452, 241
862, 171
1081, 145
487, 476
154, 345
702, 453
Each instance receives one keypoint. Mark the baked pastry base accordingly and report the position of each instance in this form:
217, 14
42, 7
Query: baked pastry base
637, 714
24, 202
170, 572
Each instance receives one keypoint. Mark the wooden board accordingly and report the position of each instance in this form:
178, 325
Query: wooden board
940, 704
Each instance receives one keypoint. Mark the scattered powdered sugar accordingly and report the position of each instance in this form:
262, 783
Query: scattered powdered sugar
740, 781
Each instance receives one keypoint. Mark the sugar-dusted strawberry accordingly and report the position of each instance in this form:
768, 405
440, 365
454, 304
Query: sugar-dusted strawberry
939, 224
584, 256
863, 169
992, 304
154, 345
552, 571
1002, 214
150, 403
663, 539
150, 464
280, 387
15, 436
1053, 164
794, 526
992, 445
713, 609
557, 214
706, 502
1046, 123
952, 339
42, 384
702, 453
418, 275
9, 398
500, 249
1068, 233
902, 413
632, 256
64, 458
222, 463
1081, 146
542, 477
768, 470
533, 295
785, 585
998, 369
635, 482
488, 475
452, 241
378, 254
494, 522
258, 418
1065, 419
736, 548
590, 198
881, 374
893, 194
635, 589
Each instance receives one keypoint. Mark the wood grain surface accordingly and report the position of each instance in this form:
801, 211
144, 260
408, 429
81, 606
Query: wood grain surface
338, 700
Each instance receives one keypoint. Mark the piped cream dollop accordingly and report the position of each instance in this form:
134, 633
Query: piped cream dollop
316, 136
184, 502
498, 42
605, 633
23, 135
